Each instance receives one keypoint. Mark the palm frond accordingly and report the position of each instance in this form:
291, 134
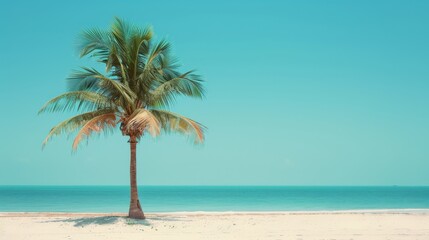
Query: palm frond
83, 80
187, 84
91, 79
161, 48
96, 124
173, 122
120, 32
95, 41
72, 124
76, 100
143, 120
146, 35
167, 66
138, 48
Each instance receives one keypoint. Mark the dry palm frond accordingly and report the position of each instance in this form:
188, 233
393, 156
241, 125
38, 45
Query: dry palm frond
142, 120
72, 124
96, 124
172, 122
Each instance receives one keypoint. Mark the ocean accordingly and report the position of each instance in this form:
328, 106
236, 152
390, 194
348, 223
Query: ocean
213, 198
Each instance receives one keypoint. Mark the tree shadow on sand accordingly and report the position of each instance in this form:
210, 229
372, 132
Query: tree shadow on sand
104, 220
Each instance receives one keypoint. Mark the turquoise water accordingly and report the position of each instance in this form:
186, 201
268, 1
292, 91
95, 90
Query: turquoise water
164, 199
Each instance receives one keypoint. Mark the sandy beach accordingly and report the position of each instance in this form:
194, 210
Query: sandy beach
355, 225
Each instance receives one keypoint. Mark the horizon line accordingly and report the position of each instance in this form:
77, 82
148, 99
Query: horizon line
192, 185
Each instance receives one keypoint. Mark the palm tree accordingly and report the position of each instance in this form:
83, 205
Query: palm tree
141, 79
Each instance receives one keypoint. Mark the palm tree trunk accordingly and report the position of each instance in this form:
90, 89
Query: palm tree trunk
135, 208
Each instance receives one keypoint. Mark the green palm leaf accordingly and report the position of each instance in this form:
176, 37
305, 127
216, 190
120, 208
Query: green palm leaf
76, 101
95, 41
187, 84
92, 80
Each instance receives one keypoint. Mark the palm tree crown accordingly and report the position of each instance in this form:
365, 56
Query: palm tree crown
141, 80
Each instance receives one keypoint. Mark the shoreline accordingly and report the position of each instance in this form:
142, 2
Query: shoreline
191, 213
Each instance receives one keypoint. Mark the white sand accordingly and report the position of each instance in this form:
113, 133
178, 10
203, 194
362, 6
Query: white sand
387, 225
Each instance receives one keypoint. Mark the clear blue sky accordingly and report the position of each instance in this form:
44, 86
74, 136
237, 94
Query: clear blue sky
299, 93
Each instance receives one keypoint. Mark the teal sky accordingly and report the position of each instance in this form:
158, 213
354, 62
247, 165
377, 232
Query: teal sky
298, 93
